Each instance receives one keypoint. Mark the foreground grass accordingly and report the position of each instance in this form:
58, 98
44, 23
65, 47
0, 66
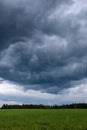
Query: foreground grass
30, 119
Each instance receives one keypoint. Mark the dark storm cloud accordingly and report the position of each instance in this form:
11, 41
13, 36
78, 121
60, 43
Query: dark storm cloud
20, 19
43, 46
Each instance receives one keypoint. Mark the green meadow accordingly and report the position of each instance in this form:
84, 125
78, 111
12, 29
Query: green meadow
41, 119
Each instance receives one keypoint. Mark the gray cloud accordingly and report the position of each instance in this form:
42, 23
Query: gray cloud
19, 19
43, 44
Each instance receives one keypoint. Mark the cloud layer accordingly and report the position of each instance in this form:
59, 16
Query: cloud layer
43, 44
14, 94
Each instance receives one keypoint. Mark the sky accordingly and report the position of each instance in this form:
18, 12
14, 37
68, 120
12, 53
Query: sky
43, 51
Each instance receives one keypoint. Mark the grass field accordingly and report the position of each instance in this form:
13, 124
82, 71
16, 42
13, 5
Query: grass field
30, 119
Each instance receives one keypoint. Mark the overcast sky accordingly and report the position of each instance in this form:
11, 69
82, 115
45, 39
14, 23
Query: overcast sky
43, 51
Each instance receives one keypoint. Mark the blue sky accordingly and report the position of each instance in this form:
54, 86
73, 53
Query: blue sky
43, 51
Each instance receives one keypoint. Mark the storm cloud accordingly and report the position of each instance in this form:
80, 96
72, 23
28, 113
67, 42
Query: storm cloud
43, 43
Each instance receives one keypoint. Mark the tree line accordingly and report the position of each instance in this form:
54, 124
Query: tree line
41, 106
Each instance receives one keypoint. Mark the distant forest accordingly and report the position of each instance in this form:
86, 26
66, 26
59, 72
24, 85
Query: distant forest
31, 106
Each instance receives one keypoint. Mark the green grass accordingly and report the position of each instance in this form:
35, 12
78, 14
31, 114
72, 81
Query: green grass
30, 119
